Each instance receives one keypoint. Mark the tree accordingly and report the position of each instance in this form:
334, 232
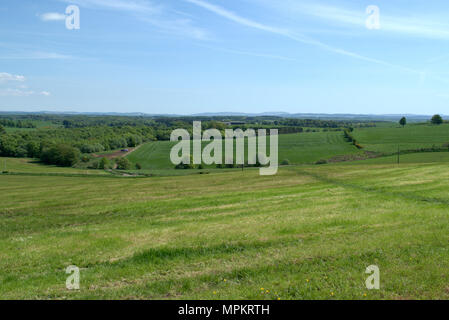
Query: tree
436, 119
2, 130
403, 121
62, 155
104, 163
123, 164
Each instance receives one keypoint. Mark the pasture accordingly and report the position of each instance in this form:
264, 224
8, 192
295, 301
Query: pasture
386, 139
298, 148
307, 233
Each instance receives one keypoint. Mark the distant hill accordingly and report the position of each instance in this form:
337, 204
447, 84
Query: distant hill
322, 116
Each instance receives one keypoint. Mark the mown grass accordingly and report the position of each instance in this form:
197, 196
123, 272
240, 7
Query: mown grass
307, 233
27, 165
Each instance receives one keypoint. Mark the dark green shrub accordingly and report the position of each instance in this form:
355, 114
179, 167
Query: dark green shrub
61, 155
437, 119
123, 164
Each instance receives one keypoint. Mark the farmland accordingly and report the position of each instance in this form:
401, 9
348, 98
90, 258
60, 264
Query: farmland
298, 148
307, 233
415, 136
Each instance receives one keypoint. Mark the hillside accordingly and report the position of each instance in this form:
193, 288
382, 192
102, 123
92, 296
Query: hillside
306, 233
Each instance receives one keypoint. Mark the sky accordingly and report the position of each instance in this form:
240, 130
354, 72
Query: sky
252, 56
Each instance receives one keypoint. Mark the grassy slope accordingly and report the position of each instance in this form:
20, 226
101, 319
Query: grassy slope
308, 232
413, 136
26, 165
298, 148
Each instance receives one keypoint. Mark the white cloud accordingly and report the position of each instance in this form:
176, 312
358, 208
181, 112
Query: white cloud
162, 17
36, 56
291, 35
52, 16
135, 5
20, 90
15, 92
4, 76
417, 26
236, 18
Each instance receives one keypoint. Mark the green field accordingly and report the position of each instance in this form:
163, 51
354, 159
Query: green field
307, 233
411, 137
299, 148
25, 165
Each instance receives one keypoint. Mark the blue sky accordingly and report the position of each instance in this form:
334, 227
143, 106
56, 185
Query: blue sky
190, 56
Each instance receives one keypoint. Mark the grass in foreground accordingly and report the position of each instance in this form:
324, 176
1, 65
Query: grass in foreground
307, 233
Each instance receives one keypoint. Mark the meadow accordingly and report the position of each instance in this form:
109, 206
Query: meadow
298, 148
387, 139
307, 233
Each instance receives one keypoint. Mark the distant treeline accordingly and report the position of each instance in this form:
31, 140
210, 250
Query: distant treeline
17, 123
314, 123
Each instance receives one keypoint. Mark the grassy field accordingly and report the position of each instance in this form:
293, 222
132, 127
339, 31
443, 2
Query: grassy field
307, 233
25, 165
388, 138
300, 148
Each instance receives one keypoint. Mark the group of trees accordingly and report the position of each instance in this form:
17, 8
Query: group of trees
436, 119
16, 123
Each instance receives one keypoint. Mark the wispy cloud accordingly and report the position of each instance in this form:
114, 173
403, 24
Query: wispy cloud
404, 25
291, 35
160, 16
4, 76
52, 16
19, 90
21, 93
236, 18
132, 5
37, 55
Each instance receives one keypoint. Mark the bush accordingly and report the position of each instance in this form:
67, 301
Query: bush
91, 148
123, 164
61, 155
138, 166
94, 165
285, 162
322, 161
104, 163
437, 119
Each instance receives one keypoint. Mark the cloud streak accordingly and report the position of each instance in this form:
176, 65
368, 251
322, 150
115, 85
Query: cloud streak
123, 5
36, 56
159, 16
19, 90
52, 16
412, 26
21, 93
292, 36
4, 77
